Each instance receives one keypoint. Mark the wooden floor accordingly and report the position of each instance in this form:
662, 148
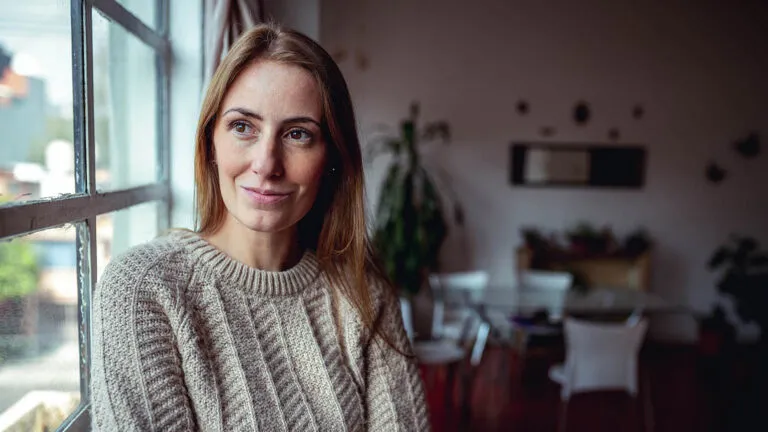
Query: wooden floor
680, 399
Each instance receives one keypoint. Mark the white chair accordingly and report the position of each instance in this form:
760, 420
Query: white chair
438, 352
407, 314
546, 280
599, 356
456, 288
554, 285
450, 354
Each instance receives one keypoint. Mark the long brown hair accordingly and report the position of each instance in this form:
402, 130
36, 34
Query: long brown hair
335, 227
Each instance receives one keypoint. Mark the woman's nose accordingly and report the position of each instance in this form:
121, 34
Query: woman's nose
266, 157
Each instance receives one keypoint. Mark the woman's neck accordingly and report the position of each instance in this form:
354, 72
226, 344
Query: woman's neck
271, 251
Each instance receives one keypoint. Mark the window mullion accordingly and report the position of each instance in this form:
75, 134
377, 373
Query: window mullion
90, 141
85, 179
82, 88
161, 18
86, 283
116, 12
80, 32
162, 63
27, 218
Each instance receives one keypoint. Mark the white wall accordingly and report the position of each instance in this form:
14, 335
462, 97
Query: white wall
700, 72
301, 15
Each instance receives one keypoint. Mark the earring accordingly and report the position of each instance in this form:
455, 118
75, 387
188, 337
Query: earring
333, 170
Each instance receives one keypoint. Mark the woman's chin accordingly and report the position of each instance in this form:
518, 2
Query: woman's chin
265, 223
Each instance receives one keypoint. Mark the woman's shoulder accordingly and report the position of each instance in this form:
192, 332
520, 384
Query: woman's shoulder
381, 291
378, 293
162, 258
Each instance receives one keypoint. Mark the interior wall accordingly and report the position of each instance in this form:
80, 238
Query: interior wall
302, 15
699, 70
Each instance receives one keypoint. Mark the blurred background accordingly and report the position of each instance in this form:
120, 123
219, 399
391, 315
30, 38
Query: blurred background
569, 195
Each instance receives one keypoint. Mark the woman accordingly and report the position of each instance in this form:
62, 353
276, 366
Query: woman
272, 315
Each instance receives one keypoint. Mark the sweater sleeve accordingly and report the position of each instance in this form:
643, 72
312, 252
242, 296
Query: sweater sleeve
137, 380
395, 399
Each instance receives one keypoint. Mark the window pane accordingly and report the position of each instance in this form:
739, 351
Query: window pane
36, 150
39, 351
117, 232
125, 107
144, 9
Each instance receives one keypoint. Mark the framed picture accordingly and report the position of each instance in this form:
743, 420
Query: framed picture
577, 164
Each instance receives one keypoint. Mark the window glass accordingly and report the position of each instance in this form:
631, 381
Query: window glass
125, 107
37, 156
39, 350
117, 232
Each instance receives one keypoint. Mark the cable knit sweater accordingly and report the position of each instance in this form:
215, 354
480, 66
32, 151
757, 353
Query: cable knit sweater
187, 338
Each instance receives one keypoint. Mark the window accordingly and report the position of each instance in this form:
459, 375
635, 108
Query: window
84, 143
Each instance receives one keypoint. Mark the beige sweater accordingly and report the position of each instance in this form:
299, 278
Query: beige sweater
186, 338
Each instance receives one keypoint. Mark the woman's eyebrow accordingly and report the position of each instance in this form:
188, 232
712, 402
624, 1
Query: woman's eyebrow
243, 111
248, 113
302, 120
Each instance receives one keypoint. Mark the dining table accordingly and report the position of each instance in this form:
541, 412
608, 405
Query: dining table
521, 301
531, 312
504, 306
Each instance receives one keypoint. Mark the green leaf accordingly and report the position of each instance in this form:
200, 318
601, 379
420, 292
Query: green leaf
747, 245
18, 269
719, 257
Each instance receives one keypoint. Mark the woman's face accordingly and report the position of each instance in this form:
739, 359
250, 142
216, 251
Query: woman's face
268, 146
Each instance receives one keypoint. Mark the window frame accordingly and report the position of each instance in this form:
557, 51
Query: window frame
82, 207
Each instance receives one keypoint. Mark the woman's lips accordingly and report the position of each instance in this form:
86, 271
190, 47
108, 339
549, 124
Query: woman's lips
263, 196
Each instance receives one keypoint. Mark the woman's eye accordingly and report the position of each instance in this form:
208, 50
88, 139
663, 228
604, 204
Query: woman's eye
299, 135
241, 127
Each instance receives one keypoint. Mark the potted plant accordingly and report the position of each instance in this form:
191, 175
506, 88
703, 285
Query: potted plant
743, 268
410, 221
535, 240
637, 242
585, 239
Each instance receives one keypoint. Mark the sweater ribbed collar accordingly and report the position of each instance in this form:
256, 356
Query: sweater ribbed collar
261, 282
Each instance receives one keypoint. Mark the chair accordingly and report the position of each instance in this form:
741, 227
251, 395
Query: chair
546, 280
599, 356
437, 352
457, 288
446, 353
407, 314
529, 333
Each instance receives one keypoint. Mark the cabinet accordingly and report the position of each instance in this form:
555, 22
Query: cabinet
599, 270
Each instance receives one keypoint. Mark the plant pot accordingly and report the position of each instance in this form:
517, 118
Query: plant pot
716, 333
